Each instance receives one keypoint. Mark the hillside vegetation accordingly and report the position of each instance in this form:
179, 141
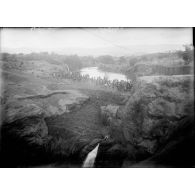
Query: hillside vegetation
169, 63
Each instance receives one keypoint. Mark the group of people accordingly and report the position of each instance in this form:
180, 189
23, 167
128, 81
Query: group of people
115, 84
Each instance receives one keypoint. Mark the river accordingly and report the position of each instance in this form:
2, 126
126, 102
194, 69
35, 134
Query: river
94, 72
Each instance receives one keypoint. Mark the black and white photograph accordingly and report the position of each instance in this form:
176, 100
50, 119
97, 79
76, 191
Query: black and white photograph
97, 97
101, 97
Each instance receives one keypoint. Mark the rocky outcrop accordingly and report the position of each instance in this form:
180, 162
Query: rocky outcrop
32, 130
177, 151
155, 107
110, 154
43, 105
89, 147
25, 138
109, 113
17, 110
24, 142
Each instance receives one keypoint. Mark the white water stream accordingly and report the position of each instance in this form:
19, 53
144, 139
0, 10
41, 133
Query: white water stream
90, 159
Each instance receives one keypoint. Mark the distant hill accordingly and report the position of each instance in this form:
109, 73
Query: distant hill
124, 50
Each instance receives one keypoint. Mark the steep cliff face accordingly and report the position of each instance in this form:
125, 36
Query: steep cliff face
177, 151
23, 141
155, 107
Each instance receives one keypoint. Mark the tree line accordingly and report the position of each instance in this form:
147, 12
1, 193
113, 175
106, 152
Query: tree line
107, 62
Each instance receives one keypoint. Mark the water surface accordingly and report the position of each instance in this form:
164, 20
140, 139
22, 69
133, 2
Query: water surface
94, 72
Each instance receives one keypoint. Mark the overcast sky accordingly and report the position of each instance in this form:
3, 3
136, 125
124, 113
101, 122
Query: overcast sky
90, 40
